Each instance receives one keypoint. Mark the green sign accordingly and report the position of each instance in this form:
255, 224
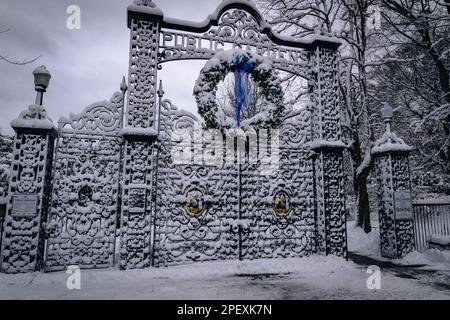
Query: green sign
403, 205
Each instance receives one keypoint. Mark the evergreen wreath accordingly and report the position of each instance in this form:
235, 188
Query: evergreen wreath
264, 76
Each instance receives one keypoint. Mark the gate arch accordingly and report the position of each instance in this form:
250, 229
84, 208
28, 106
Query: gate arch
311, 157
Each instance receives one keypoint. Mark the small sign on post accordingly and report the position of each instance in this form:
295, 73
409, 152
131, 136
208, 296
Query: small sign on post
24, 205
403, 205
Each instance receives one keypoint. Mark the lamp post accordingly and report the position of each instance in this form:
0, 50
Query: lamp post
24, 233
41, 81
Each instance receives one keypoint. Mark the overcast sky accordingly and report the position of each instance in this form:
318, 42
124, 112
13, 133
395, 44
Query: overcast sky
87, 65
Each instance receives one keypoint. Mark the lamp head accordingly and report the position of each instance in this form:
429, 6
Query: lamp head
41, 78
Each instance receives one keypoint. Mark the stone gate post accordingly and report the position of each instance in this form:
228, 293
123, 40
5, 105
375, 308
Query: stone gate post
394, 192
140, 136
327, 147
29, 187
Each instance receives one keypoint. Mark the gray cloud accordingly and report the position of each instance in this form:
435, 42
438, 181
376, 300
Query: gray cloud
86, 65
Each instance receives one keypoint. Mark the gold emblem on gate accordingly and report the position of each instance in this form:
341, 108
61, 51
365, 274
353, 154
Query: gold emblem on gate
281, 204
195, 203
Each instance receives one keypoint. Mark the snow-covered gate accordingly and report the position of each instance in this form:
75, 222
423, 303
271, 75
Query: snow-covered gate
85, 199
171, 213
231, 206
234, 216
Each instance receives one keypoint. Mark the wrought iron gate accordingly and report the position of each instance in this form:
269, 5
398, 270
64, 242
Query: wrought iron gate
226, 210
269, 230
191, 234
199, 212
85, 199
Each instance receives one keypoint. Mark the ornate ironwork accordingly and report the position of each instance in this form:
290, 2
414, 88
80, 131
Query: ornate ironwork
239, 219
99, 118
236, 28
85, 197
231, 204
23, 240
396, 236
142, 74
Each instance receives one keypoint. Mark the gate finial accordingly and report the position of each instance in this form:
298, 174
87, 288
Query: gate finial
123, 85
146, 3
160, 90
389, 142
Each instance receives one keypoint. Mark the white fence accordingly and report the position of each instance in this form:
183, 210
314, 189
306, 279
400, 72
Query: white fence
431, 217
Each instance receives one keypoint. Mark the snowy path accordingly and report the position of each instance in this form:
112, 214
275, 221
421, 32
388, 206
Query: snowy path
308, 278
439, 279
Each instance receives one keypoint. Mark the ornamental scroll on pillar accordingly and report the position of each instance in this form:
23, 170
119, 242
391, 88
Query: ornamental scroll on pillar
394, 191
29, 187
327, 147
140, 136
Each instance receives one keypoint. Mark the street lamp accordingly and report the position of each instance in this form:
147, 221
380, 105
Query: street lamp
41, 81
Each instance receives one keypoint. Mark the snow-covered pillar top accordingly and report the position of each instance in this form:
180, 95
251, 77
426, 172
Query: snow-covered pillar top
394, 191
144, 19
35, 118
144, 10
389, 142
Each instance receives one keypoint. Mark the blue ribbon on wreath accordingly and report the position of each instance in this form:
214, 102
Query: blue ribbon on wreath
243, 90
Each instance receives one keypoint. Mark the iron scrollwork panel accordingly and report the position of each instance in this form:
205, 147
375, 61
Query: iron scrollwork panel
236, 28
268, 232
206, 235
82, 223
195, 203
84, 207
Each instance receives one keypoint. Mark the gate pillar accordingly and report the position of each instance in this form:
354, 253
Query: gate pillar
29, 187
327, 147
394, 192
140, 135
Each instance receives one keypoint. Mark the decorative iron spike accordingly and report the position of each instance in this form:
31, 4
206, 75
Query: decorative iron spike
160, 90
123, 85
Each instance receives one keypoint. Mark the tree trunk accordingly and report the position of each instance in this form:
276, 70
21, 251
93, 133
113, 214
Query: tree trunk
360, 186
443, 74
363, 216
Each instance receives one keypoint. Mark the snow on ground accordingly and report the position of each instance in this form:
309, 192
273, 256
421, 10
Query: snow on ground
315, 277
369, 245
360, 242
434, 259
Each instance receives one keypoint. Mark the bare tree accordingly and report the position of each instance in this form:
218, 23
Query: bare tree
426, 25
355, 65
346, 19
13, 61
416, 78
